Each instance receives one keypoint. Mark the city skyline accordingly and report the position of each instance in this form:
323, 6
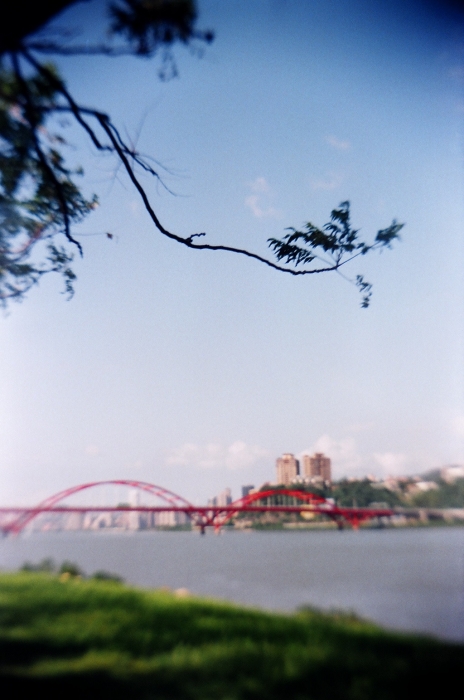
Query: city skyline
308, 470
195, 369
149, 506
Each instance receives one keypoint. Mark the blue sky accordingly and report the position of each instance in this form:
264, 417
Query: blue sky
196, 370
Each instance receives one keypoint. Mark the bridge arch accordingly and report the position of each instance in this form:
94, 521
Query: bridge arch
165, 494
308, 498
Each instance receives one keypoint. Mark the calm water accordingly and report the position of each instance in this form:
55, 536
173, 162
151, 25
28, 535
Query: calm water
411, 579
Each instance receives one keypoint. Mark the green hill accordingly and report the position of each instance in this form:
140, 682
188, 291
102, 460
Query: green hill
100, 639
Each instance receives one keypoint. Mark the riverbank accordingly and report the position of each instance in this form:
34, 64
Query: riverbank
78, 638
402, 578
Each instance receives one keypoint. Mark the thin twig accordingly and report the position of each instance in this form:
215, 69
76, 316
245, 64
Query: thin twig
78, 111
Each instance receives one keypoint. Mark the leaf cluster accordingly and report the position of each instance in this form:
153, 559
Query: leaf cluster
153, 23
143, 28
38, 194
333, 245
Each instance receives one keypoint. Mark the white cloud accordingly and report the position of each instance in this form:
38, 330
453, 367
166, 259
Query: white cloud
259, 202
238, 455
92, 450
260, 185
252, 202
346, 460
241, 455
339, 144
190, 453
331, 182
349, 460
392, 463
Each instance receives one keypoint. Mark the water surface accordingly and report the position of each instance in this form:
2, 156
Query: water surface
407, 579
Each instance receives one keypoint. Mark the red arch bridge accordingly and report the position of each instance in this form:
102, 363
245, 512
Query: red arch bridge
14, 519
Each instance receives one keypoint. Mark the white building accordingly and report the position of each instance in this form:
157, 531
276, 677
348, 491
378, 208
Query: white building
170, 518
133, 517
451, 473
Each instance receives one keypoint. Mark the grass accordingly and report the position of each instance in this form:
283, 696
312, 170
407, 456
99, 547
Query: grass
74, 638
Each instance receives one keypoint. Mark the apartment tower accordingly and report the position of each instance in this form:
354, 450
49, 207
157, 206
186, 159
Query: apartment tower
288, 468
317, 467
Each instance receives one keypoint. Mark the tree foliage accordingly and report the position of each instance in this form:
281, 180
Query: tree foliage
40, 195
361, 493
335, 244
448, 495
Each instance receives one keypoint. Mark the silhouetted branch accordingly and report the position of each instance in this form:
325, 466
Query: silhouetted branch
51, 48
145, 27
31, 118
337, 239
78, 113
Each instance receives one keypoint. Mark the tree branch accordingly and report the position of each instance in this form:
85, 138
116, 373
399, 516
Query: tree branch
78, 111
123, 152
331, 247
31, 118
50, 48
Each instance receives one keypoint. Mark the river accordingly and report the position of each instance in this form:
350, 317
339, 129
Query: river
405, 579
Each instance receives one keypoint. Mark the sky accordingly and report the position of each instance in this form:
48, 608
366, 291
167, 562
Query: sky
196, 370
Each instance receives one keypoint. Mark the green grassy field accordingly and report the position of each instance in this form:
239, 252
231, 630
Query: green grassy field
100, 639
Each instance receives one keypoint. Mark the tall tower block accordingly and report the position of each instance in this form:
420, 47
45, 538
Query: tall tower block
317, 466
288, 468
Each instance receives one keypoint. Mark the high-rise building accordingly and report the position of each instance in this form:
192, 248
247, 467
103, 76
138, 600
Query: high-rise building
74, 521
222, 499
246, 490
134, 516
317, 467
287, 468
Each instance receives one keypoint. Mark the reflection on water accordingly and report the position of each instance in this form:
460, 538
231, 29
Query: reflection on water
411, 579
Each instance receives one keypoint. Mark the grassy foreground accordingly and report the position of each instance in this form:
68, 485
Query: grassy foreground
98, 639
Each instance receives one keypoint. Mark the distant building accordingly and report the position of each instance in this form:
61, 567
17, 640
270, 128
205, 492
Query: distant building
452, 472
421, 487
96, 521
133, 517
288, 468
169, 518
246, 490
74, 521
318, 467
391, 483
222, 499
